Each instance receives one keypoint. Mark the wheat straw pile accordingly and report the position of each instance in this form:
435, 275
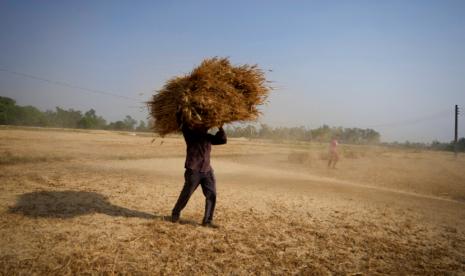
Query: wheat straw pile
213, 94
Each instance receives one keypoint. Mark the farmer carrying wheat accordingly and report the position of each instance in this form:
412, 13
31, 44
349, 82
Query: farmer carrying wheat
213, 94
198, 171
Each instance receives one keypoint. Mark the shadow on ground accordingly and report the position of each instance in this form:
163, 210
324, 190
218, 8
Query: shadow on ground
69, 204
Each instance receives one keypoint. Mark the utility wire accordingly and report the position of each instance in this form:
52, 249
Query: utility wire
60, 83
414, 121
101, 92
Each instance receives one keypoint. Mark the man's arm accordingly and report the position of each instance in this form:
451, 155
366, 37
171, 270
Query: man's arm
219, 138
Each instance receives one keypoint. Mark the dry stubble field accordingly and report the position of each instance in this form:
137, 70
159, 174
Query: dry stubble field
97, 202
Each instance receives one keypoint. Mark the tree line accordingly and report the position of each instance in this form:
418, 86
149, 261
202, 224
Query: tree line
320, 134
343, 135
435, 145
13, 114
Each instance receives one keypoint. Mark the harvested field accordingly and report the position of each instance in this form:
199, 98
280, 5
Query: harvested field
91, 202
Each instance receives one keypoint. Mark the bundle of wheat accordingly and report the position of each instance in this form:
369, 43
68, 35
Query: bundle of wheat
213, 94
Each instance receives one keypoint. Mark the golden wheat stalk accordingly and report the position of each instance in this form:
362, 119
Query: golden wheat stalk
213, 94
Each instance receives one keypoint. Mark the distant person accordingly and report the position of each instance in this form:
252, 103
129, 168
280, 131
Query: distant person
333, 154
198, 171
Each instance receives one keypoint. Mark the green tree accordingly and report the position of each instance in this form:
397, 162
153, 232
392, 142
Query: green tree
64, 118
12, 114
90, 120
461, 144
29, 116
7, 107
129, 123
322, 134
118, 125
265, 131
142, 126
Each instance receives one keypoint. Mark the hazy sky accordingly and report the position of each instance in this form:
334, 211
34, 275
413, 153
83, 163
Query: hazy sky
395, 66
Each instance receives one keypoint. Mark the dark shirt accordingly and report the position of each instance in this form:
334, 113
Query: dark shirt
199, 147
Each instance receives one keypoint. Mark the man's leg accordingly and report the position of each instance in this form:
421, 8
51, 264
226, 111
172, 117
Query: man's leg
336, 158
208, 183
191, 182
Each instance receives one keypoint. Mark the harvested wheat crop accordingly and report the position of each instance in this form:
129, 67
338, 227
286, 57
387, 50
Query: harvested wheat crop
213, 94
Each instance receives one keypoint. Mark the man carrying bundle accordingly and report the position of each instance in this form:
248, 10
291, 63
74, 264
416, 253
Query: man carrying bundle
198, 171
212, 94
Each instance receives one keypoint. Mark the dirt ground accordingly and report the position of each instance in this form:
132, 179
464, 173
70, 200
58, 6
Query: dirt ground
97, 202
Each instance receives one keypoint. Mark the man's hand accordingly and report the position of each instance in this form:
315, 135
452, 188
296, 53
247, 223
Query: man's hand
220, 137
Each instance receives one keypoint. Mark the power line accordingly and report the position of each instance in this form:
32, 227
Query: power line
413, 121
64, 84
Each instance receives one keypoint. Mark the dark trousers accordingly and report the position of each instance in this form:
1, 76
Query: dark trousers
192, 181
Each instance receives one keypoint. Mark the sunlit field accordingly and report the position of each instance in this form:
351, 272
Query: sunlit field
99, 202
